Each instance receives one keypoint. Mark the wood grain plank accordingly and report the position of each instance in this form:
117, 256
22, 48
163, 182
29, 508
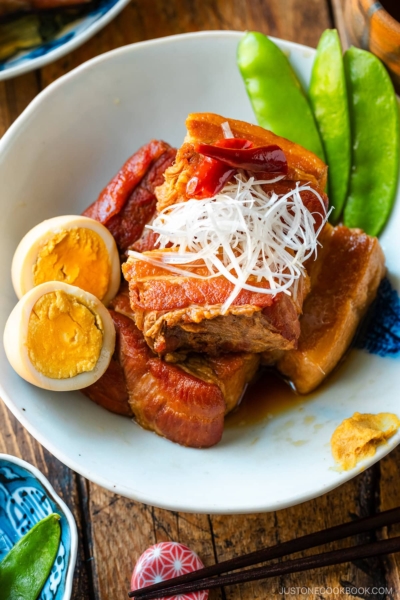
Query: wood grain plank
122, 530
190, 529
15, 440
294, 20
237, 534
340, 24
15, 95
389, 497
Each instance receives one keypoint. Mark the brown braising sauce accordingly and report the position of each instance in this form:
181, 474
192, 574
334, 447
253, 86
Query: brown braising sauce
268, 395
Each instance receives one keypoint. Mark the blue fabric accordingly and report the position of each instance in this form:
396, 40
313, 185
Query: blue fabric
381, 331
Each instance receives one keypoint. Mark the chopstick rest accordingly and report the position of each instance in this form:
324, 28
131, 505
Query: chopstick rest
164, 561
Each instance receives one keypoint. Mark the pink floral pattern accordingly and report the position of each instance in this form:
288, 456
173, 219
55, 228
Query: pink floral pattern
164, 561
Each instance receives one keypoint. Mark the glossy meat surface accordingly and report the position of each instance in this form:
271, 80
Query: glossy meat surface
184, 314
184, 402
110, 390
128, 202
344, 282
310, 200
231, 372
127, 226
116, 193
155, 288
206, 128
205, 330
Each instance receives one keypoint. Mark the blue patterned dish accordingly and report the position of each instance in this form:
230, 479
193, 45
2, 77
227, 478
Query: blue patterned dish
26, 497
72, 36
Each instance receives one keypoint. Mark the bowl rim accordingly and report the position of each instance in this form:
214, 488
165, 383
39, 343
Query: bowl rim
129, 492
63, 507
67, 47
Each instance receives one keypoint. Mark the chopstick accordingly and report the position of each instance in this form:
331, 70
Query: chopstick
315, 561
305, 542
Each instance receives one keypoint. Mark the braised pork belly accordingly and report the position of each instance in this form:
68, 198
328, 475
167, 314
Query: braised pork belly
128, 202
177, 313
206, 128
194, 318
344, 282
180, 313
185, 402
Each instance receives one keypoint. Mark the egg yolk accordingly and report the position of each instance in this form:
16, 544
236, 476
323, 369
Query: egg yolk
356, 438
78, 257
65, 337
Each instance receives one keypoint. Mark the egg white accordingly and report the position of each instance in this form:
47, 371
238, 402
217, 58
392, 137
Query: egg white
26, 254
16, 333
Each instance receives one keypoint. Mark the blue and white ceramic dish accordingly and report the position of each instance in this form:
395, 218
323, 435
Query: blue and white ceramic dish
72, 36
26, 497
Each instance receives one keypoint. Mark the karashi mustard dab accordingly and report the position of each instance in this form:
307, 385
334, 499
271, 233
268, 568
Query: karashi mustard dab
357, 438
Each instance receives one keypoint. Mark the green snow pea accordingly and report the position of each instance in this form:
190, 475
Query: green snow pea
328, 97
375, 136
25, 569
276, 94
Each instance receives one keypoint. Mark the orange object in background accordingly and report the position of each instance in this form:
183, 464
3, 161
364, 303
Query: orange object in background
372, 27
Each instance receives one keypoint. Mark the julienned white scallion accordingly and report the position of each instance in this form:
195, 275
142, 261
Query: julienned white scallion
226, 130
243, 233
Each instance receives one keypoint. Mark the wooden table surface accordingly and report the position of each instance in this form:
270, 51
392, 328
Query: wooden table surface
114, 531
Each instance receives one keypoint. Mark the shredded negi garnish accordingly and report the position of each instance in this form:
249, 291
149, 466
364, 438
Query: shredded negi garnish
243, 233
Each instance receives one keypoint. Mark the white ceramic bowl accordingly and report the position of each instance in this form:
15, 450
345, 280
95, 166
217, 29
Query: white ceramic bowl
54, 160
68, 39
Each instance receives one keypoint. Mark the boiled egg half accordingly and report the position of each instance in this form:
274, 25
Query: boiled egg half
72, 249
59, 337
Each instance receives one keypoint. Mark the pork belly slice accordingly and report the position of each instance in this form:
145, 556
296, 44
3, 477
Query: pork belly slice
128, 201
184, 402
184, 314
303, 165
231, 372
110, 390
344, 281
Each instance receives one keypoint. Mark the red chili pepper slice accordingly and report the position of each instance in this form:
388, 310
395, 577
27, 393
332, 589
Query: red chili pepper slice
231, 143
222, 159
211, 175
266, 159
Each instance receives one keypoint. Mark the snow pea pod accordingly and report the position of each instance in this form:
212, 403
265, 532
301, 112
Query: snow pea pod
276, 94
375, 133
328, 97
25, 569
